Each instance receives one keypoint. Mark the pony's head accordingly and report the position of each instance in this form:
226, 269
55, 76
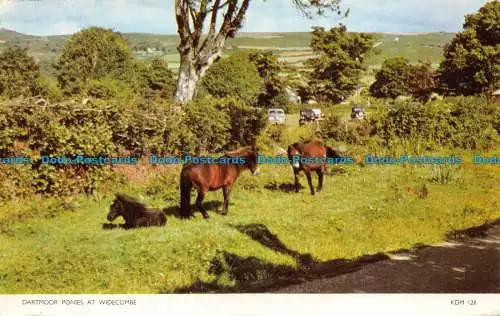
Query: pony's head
115, 210
250, 153
292, 152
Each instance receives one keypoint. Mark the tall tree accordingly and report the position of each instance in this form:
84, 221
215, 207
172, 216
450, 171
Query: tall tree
19, 72
340, 62
93, 53
198, 50
392, 80
422, 81
471, 60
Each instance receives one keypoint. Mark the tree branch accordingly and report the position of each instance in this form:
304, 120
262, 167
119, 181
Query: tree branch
182, 20
238, 20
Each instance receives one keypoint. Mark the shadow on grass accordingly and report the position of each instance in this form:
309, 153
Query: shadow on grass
286, 187
210, 206
480, 231
467, 263
252, 275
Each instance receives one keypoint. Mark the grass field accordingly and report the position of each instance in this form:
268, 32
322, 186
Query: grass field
362, 210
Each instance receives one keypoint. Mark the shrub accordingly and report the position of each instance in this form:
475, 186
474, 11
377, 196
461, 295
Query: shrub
234, 76
148, 127
48, 88
333, 127
474, 122
459, 122
392, 79
96, 129
108, 88
160, 79
19, 73
246, 122
93, 53
210, 127
269, 68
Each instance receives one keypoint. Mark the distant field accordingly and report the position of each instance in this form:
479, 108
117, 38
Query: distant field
292, 48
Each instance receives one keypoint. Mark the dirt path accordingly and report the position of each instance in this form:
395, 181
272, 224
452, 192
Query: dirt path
468, 263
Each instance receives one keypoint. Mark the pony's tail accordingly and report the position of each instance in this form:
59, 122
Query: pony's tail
185, 189
331, 153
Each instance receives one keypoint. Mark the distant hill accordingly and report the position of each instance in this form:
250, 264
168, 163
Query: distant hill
292, 47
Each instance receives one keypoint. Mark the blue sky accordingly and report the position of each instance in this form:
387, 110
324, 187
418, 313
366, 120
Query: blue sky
51, 17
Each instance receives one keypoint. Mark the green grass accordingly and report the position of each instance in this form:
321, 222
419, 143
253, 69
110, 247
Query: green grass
364, 210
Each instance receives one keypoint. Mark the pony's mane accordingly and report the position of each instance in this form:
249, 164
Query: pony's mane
133, 202
242, 151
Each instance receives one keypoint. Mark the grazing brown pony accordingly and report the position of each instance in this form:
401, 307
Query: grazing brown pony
212, 177
315, 149
135, 213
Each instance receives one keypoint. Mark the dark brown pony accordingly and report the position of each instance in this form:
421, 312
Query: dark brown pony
212, 177
135, 213
311, 149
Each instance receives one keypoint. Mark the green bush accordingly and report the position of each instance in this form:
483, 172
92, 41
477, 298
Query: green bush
108, 88
94, 53
19, 73
233, 76
148, 127
246, 122
474, 122
465, 122
48, 88
333, 127
160, 79
95, 129
210, 127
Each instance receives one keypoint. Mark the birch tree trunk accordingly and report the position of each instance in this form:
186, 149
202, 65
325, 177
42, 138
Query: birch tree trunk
198, 51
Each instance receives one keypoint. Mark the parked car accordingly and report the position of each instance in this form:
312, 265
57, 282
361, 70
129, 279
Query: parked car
276, 116
358, 113
309, 116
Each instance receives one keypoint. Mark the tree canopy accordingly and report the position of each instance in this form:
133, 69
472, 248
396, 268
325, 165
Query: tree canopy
392, 80
233, 76
398, 77
93, 53
470, 64
19, 73
269, 68
337, 69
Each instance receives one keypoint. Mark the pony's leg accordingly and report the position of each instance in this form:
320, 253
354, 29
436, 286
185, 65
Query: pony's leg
199, 199
320, 174
227, 193
297, 183
309, 180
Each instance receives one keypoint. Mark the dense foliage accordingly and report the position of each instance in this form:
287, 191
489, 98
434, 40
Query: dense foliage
398, 77
392, 80
94, 53
470, 64
160, 80
269, 68
19, 73
233, 76
337, 69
